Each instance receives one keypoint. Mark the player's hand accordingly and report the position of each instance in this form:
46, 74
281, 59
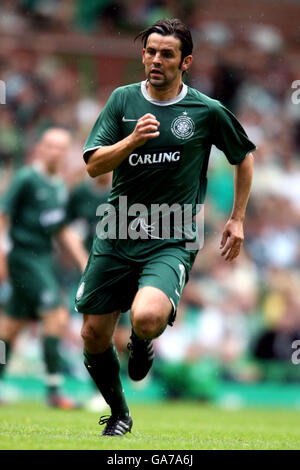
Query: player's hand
145, 129
232, 239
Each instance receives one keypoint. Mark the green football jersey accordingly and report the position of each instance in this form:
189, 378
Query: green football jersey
170, 169
82, 207
36, 205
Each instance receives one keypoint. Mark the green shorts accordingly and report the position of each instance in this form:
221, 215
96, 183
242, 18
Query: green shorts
34, 286
110, 281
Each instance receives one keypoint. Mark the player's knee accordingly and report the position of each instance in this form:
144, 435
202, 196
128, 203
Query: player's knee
55, 322
63, 321
147, 323
89, 334
10, 328
93, 339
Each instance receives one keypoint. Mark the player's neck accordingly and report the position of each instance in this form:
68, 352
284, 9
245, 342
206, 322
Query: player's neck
43, 169
161, 94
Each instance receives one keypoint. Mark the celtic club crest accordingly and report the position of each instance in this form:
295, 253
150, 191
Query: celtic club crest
183, 127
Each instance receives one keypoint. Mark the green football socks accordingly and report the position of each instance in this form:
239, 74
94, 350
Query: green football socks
53, 363
104, 368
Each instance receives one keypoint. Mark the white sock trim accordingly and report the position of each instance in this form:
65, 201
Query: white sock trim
54, 379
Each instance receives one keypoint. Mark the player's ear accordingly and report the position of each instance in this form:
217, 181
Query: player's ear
143, 52
187, 61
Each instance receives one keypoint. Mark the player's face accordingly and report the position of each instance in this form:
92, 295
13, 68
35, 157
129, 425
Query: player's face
162, 58
53, 150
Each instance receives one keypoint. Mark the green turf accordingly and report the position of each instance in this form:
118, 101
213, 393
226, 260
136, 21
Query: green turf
174, 425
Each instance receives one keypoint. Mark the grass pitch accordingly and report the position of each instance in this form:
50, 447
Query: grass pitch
169, 426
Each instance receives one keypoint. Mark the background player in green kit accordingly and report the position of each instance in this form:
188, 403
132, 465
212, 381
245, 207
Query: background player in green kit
84, 199
35, 207
156, 136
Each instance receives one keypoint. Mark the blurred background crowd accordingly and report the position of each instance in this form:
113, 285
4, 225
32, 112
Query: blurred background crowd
61, 59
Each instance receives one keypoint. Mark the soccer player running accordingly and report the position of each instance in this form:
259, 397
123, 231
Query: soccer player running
156, 135
34, 208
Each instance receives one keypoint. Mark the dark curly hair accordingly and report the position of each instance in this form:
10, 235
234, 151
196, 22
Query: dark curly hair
167, 27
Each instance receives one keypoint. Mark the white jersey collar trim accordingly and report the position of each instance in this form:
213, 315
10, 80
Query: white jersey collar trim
178, 98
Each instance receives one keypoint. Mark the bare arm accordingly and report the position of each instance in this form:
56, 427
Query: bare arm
3, 262
233, 233
70, 241
108, 157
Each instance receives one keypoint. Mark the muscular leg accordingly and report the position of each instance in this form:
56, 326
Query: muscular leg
98, 330
150, 312
9, 330
101, 359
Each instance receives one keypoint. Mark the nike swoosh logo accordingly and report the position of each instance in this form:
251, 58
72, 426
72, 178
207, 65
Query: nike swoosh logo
128, 120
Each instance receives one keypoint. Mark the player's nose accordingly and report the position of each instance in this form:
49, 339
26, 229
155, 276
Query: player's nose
157, 59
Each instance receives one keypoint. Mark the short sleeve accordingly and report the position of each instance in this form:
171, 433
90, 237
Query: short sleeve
229, 135
106, 130
10, 200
